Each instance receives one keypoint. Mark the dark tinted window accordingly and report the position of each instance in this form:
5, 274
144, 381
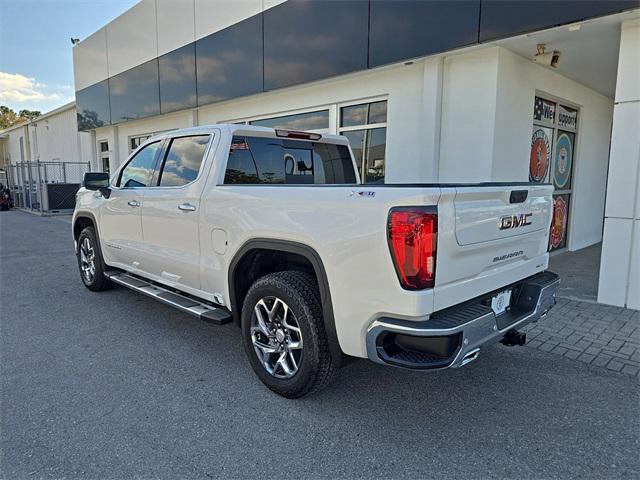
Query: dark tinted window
229, 62
301, 121
93, 106
135, 93
309, 40
183, 160
139, 170
275, 160
402, 29
178, 79
502, 18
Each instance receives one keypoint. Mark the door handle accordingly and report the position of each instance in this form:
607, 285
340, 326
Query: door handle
133, 203
187, 207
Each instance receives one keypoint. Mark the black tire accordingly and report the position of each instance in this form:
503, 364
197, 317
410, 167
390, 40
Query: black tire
98, 282
299, 291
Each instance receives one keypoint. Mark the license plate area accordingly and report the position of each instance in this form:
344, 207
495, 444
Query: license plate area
500, 302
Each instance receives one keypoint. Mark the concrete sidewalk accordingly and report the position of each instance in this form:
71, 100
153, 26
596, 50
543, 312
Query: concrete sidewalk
592, 333
579, 272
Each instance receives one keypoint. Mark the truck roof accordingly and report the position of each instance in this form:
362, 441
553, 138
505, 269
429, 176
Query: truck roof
243, 129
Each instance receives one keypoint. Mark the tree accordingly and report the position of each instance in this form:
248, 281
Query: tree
8, 117
29, 114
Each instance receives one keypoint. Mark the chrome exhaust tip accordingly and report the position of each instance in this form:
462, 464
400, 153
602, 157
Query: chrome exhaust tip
470, 357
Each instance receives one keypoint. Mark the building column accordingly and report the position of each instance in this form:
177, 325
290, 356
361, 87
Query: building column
620, 263
116, 148
432, 115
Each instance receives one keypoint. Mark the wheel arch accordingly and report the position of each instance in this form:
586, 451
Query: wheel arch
236, 295
81, 221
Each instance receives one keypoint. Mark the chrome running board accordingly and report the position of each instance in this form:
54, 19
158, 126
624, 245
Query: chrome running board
206, 312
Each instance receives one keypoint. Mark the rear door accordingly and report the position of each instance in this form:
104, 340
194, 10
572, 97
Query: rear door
171, 213
120, 220
489, 236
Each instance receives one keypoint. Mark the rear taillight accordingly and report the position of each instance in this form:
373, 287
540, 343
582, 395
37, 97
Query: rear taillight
412, 233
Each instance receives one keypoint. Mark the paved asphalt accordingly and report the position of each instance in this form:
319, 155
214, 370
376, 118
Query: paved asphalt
115, 385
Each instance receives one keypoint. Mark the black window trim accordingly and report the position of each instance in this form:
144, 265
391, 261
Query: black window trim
155, 181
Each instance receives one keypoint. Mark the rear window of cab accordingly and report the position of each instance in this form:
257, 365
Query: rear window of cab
262, 160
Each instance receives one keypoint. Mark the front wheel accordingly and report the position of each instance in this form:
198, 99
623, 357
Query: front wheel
283, 334
90, 262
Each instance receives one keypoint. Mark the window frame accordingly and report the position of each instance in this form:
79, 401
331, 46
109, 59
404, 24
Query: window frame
365, 126
162, 142
104, 155
157, 176
317, 108
146, 136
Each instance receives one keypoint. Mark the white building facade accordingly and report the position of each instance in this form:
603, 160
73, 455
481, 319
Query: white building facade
52, 137
426, 92
43, 161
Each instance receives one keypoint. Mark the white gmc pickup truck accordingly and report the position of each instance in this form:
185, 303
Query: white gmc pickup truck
272, 229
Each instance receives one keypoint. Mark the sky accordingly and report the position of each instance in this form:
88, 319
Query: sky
36, 65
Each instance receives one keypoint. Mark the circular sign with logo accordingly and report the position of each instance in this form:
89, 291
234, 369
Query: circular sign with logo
563, 160
540, 155
558, 222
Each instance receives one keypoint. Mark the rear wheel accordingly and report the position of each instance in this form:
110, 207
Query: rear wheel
283, 334
90, 262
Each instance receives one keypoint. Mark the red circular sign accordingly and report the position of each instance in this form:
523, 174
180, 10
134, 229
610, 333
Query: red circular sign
540, 155
558, 222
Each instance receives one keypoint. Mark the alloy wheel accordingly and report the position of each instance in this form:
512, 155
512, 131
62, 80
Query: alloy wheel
276, 337
87, 260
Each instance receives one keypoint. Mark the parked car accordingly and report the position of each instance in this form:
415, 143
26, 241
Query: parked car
272, 229
6, 201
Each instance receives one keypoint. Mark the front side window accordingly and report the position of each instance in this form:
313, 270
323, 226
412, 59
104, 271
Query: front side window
139, 170
183, 160
261, 160
365, 125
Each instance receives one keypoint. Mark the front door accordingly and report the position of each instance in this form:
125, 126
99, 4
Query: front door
171, 216
120, 222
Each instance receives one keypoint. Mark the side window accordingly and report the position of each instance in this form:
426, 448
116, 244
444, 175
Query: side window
241, 166
139, 170
281, 161
183, 160
365, 126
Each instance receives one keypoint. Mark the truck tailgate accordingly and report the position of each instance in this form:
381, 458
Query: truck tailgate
489, 236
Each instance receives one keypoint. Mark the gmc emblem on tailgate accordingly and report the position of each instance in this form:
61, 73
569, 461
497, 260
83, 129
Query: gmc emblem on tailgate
515, 221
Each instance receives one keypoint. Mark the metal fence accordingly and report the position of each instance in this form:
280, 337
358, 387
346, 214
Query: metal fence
45, 186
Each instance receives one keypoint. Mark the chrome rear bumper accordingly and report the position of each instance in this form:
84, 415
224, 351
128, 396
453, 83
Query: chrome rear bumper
454, 337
